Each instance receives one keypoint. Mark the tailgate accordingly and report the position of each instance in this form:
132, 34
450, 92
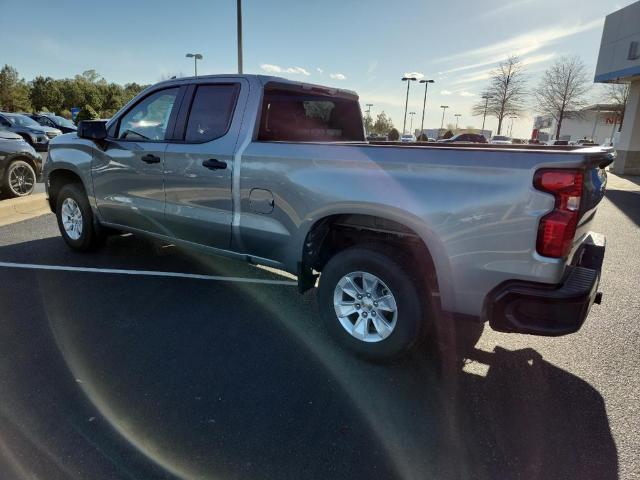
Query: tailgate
595, 182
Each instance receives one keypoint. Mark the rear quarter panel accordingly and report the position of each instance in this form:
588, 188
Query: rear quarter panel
476, 210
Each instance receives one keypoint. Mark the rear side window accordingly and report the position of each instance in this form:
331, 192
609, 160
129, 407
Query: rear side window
211, 112
308, 117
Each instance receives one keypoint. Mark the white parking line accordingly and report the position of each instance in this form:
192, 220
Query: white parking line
150, 273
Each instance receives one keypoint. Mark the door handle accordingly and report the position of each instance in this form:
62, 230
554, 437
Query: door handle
150, 158
213, 164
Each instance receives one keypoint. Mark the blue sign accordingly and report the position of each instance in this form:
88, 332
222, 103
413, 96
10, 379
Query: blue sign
74, 112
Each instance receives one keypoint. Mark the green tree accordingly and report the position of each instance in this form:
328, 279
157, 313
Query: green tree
383, 124
368, 123
131, 90
87, 113
45, 94
112, 96
393, 135
72, 93
14, 91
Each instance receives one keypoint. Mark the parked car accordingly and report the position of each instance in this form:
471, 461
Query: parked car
278, 173
585, 141
408, 138
20, 165
500, 140
374, 137
560, 142
465, 138
35, 134
518, 141
54, 121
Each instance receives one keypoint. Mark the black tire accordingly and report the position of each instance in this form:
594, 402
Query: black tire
27, 171
89, 238
389, 266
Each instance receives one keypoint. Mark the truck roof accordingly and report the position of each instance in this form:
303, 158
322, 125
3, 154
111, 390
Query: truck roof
264, 80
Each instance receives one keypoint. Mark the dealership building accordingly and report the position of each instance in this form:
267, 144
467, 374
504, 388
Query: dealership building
619, 62
597, 122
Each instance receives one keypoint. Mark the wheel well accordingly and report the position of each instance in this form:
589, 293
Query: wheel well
337, 232
58, 179
28, 160
27, 138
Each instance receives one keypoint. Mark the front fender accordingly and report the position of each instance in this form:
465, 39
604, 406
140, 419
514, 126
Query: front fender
70, 153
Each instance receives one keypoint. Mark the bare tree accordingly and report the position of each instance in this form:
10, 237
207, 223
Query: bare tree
506, 92
618, 94
562, 89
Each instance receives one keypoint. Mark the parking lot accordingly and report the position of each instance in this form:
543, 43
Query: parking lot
113, 368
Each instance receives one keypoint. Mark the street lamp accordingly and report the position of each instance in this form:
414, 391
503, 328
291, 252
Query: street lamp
196, 57
486, 103
444, 109
406, 102
424, 102
411, 124
369, 105
457, 115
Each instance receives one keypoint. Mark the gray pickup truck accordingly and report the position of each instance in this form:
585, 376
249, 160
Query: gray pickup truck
278, 173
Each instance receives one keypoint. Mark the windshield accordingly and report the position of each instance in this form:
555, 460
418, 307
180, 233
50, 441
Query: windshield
22, 121
63, 121
500, 137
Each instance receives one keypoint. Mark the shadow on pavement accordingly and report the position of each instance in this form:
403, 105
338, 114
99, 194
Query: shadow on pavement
110, 376
627, 201
130, 252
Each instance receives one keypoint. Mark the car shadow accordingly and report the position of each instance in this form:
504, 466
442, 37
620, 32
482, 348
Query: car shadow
113, 376
627, 201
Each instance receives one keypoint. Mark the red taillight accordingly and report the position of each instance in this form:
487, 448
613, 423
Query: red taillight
557, 228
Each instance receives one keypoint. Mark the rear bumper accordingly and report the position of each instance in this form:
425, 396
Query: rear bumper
550, 310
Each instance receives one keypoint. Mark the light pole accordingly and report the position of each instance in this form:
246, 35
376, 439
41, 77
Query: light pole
424, 103
457, 115
411, 124
444, 109
369, 105
406, 102
239, 29
486, 104
512, 117
196, 57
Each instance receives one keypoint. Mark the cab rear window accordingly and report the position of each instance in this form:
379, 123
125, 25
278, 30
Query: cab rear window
307, 117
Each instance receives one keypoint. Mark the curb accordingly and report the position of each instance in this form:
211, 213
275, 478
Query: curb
22, 208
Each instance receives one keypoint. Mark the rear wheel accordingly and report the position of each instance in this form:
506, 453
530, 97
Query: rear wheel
75, 218
370, 302
19, 179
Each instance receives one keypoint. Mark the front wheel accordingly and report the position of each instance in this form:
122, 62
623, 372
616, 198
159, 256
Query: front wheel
75, 218
371, 304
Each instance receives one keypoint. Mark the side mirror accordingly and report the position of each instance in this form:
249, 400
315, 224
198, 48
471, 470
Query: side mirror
92, 129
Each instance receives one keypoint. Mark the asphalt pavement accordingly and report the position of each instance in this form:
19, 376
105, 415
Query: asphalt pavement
118, 375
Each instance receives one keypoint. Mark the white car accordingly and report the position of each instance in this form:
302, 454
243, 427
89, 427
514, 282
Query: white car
500, 140
408, 138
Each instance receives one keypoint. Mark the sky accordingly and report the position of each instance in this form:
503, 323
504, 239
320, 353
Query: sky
366, 46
